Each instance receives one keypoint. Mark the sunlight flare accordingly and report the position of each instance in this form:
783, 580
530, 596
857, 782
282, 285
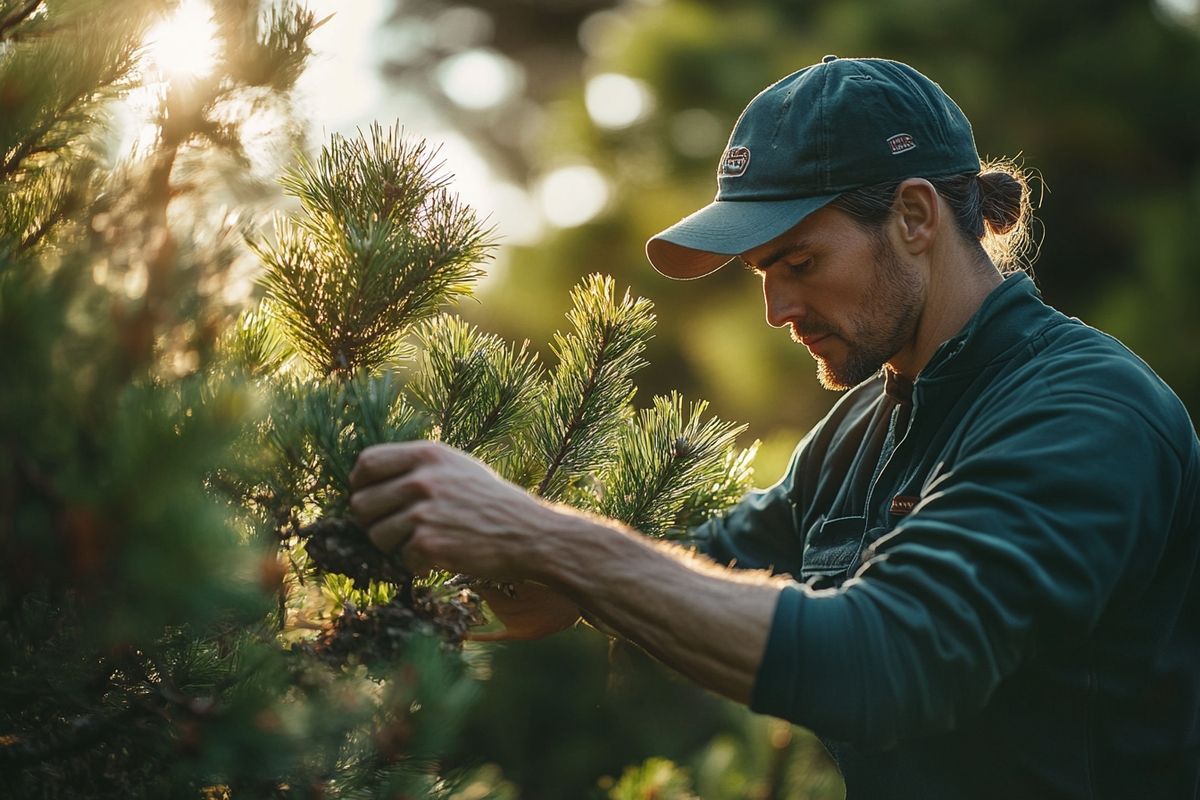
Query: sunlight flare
184, 45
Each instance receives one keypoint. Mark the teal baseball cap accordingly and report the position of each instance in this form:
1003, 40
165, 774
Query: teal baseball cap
839, 125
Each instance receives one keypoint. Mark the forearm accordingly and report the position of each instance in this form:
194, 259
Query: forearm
444, 509
708, 622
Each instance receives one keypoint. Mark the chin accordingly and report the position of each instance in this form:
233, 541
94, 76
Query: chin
840, 377
830, 379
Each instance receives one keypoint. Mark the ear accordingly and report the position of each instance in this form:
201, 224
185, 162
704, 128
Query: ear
917, 215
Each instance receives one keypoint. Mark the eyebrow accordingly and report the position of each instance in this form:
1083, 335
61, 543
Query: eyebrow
782, 252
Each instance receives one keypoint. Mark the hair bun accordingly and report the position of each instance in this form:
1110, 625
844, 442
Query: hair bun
1002, 200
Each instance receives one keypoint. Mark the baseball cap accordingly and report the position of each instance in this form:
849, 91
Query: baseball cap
839, 125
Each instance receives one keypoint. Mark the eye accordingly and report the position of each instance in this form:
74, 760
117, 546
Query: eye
800, 267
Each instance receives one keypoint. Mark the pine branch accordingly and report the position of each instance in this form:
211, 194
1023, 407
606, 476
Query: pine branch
575, 424
736, 479
380, 245
516, 383
252, 345
270, 48
60, 104
18, 16
451, 375
314, 436
210, 701
44, 227
477, 390
378, 411
583, 408
664, 460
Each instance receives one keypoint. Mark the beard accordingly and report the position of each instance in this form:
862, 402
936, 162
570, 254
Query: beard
878, 329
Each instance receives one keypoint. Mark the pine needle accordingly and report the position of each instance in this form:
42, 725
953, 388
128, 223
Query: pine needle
582, 412
381, 245
664, 460
477, 390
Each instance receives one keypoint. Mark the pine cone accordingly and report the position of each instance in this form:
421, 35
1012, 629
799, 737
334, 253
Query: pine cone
381, 633
336, 544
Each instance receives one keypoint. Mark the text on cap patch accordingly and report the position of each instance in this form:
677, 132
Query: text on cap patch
735, 162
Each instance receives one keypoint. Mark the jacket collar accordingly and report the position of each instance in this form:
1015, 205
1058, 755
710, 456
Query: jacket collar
1004, 322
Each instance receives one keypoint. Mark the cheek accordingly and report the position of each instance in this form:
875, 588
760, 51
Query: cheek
842, 304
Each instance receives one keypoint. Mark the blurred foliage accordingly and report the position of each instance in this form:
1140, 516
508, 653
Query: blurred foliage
654, 779
173, 489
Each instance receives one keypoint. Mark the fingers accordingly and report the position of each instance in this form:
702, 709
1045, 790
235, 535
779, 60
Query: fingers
383, 461
378, 500
385, 489
412, 554
394, 531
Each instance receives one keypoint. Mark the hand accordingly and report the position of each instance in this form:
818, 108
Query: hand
440, 507
533, 611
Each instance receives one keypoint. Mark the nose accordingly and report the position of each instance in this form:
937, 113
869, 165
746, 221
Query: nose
781, 301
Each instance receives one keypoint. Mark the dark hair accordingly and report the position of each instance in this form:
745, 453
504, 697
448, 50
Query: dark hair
991, 207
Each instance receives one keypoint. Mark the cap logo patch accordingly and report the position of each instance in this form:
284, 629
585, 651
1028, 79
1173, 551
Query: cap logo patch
734, 164
901, 143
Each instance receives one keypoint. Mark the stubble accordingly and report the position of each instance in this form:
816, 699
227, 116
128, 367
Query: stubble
880, 328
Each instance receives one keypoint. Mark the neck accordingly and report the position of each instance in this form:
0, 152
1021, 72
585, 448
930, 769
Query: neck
957, 288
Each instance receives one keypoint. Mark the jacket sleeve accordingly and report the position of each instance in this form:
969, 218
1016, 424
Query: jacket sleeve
1017, 547
757, 533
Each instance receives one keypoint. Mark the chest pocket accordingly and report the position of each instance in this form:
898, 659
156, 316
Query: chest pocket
831, 551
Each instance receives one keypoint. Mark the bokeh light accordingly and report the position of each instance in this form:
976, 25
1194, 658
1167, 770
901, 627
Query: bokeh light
462, 27
617, 101
1186, 9
479, 79
573, 195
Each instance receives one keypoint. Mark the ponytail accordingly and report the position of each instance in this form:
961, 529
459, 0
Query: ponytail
992, 207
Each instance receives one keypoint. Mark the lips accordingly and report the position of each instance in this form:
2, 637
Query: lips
812, 341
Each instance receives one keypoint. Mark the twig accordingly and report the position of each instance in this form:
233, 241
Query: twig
18, 16
49, 222
576, 421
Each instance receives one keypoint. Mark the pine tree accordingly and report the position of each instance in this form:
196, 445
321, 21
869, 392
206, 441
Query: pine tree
186, 610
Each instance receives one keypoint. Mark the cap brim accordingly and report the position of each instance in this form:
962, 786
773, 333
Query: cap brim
704, 242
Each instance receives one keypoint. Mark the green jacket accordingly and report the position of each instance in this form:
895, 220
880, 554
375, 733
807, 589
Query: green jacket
997, 571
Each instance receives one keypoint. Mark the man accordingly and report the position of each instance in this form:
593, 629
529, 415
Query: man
979, 577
